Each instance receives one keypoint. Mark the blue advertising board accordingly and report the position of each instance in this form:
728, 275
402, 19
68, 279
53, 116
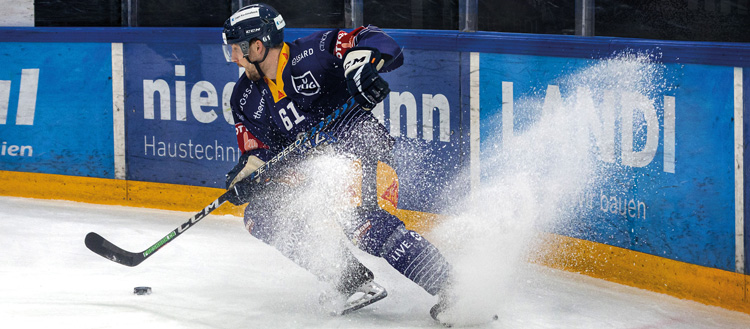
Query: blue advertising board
178, 125
665, 153
665, 182
56, 108
423, 113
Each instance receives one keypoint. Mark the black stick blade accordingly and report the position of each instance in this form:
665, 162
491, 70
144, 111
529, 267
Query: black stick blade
106, 249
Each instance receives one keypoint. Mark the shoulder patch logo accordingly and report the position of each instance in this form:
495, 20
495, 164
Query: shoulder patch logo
306, 84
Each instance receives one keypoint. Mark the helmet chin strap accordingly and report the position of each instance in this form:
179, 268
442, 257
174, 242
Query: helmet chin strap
257, 63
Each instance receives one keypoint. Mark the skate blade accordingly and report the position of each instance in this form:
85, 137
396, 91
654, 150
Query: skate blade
355, 307
450, 325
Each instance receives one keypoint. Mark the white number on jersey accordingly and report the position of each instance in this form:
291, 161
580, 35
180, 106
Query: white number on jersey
288, 124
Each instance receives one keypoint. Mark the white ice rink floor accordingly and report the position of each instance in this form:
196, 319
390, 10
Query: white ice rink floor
217, 276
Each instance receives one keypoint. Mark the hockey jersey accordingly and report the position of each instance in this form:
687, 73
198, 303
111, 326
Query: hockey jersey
310, 84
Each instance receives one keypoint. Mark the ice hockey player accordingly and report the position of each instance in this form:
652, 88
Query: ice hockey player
287, 88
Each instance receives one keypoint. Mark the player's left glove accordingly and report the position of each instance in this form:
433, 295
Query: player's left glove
361, 65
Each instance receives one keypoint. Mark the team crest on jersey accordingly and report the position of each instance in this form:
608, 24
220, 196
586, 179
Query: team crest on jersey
306, 84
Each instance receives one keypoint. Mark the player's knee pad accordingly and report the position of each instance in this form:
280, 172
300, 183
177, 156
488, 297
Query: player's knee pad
259, 224
261, 213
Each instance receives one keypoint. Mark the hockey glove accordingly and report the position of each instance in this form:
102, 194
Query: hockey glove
247, 164
361, 65
243, 191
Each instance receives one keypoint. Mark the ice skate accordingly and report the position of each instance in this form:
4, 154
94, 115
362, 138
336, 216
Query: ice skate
368, 293
437, 311
440, 311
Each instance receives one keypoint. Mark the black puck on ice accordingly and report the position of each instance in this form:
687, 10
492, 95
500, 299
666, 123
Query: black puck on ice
142, 290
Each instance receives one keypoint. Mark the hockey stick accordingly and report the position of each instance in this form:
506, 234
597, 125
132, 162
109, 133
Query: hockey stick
108, 250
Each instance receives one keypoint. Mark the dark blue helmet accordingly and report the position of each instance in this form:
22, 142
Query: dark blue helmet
258, 21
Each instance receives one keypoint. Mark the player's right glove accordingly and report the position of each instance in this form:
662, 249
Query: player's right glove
242, 191
246, 166
361, 65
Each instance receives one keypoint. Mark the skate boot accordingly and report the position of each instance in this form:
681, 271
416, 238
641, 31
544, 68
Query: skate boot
440, 312
368, 293
356, 289
437, 311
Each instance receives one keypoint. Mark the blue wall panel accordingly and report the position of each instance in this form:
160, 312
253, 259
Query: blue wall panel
688, 214
426, 165
184, 141
688, 210
64, 123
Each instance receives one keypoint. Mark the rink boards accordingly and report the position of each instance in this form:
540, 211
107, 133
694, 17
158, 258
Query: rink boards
140, 117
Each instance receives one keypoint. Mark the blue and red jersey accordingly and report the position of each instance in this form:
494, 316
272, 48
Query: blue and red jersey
310, 84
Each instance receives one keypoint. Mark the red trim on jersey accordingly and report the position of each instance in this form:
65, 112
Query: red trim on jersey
345, 41
246, 140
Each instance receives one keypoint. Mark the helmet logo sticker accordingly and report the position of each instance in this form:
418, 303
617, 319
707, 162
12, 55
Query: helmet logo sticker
279, 22
306, 84
245, 14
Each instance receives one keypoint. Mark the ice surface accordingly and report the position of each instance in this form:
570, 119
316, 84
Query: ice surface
218, 276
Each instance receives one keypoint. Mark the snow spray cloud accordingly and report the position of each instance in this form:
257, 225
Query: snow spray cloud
538, 177
311, 206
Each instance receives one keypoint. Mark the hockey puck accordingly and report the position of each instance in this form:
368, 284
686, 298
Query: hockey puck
142, 290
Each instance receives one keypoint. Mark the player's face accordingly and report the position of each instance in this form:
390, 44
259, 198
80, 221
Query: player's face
239, 58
